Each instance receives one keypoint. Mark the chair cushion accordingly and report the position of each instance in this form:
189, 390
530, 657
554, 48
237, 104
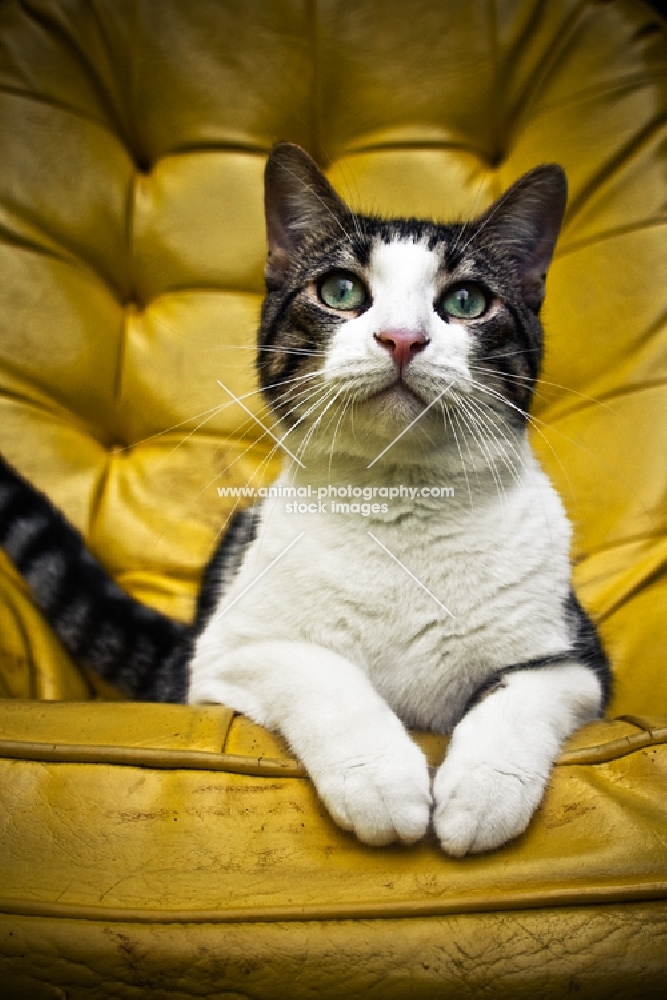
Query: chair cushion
147, 821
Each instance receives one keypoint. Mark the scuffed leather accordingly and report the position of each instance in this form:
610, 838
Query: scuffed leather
205, 849
610, 953
182, 814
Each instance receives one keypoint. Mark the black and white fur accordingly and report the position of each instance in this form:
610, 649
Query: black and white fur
453, 614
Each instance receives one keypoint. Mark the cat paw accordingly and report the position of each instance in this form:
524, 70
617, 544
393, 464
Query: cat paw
382, 797
481, 805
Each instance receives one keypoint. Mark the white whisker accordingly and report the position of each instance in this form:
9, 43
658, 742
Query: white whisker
478, 434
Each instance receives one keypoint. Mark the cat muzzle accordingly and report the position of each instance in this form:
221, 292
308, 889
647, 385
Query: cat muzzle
402, 344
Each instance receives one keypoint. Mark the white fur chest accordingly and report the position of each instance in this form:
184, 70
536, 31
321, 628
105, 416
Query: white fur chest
429, 599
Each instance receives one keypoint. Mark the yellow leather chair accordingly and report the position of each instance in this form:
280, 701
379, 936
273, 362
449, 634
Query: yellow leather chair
168, 851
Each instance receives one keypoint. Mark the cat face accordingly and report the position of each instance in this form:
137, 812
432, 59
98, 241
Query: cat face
370, 326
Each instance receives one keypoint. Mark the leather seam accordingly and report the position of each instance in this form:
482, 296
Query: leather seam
164, 759
572, 896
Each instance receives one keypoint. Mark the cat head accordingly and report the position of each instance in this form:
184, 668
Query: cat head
371, 325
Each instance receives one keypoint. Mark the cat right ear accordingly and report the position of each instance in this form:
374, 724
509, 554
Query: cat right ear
524, 223
298, 201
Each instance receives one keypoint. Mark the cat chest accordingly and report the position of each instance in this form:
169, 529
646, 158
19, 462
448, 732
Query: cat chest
398, 596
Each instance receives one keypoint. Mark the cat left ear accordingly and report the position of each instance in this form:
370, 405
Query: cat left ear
525, 223
298, 201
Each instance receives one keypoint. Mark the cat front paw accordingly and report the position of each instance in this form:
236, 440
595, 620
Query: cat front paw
480, 805
381, 796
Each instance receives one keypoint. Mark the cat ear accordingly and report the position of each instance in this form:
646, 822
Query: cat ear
298, 201
525, 222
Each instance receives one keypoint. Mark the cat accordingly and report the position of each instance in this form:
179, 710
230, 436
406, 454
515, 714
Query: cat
398, 359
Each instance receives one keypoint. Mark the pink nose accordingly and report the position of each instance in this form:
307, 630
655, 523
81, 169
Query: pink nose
402, 344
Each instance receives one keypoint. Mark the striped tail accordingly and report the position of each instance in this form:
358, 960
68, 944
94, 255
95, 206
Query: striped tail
143, 653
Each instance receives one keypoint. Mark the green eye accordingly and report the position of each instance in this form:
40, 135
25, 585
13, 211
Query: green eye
464, 302
343, 291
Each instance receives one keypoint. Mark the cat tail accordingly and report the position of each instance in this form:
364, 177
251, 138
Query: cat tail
131, 646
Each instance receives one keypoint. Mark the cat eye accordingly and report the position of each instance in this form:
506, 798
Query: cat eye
465, 301
343, 291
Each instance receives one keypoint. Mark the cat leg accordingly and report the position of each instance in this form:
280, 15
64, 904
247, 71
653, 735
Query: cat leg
368, 772
502, 751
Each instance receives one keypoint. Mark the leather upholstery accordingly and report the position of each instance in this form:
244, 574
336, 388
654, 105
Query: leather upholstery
131, 252
141, 859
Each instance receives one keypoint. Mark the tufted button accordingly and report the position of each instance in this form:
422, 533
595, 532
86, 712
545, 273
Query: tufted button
142, 165
496, 159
